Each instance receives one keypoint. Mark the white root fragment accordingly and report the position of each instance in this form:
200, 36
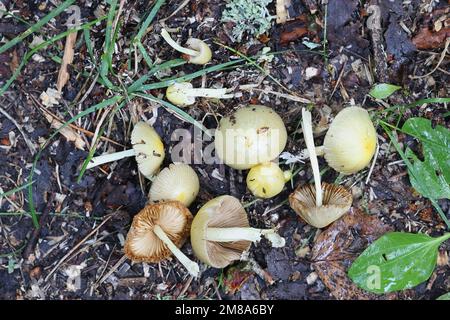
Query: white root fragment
105, 158
309, 140
190, 265
166, 36
249, 234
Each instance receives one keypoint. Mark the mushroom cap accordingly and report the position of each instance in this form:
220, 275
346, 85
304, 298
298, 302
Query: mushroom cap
251, 135
265, 180
176, 182
176, 94
204, 55
337, 200
350, 141
143, 245
221, 212
148, 147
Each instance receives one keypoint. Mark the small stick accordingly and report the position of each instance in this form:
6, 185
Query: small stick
68, 254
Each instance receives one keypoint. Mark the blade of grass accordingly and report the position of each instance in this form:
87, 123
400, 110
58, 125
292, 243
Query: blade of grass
148, 20
10, 192
412, 105
41, 46
90, 110
175, 109
36, 26
94, 144
167, 82
145, 55
163, 66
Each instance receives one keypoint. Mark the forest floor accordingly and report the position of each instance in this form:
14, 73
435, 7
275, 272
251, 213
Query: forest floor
84, 221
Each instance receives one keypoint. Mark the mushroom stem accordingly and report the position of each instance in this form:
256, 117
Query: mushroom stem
176, 46
110, 157
190, 265
239, 234
309, 140
208, 93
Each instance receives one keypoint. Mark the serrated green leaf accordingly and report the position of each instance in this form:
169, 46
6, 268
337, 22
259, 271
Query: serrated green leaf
430, 177
383, 90
396, 261
444, 297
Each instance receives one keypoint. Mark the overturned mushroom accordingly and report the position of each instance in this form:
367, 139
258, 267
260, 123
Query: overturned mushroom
183, 93
350, 142
147, 148
251, 135
157, 232
220, 232
321, 204
197, 51
177, 182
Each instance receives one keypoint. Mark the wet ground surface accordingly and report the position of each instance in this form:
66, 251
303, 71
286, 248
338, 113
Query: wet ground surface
74, 211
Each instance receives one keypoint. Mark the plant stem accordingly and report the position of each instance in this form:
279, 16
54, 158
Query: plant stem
176, 46
96, 161
191, 266
208, 93
309, 140
239, 234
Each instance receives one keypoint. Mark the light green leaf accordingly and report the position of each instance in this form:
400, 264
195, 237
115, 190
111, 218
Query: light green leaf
430, 177
383, 90
444, 297
396, 261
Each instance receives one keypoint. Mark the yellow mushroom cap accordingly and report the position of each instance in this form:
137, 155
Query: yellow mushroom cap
251, 135
176, 182
148, 148
336, 202
351, 141
175, 93
143, 245
266, 180
204, 52
221, 212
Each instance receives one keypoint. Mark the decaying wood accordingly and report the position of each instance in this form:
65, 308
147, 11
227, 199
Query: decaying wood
379, 54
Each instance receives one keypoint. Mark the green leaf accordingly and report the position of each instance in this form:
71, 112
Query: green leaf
396, 261
383, 90
444, 297
430, 177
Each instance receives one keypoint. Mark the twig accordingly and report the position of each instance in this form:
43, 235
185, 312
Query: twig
24, 135
278, 94
373, 163
186, 286
68, 254
111, 271
443, 54
181, 6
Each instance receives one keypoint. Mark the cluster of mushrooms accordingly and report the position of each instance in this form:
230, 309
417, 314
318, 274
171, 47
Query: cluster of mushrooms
250, 138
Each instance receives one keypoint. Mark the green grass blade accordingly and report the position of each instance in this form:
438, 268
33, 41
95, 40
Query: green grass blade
41, 46
175, 109
92, 109
148, 20
188, 77
10, 192
163, 66
36, 26
145, 55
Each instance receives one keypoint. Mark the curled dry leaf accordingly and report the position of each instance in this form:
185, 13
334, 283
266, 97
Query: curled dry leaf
337, 247
67, 132
63, 75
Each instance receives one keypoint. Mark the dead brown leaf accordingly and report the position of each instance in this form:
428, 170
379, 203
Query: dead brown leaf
427, 39
69, 52
339, 245
67, 132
